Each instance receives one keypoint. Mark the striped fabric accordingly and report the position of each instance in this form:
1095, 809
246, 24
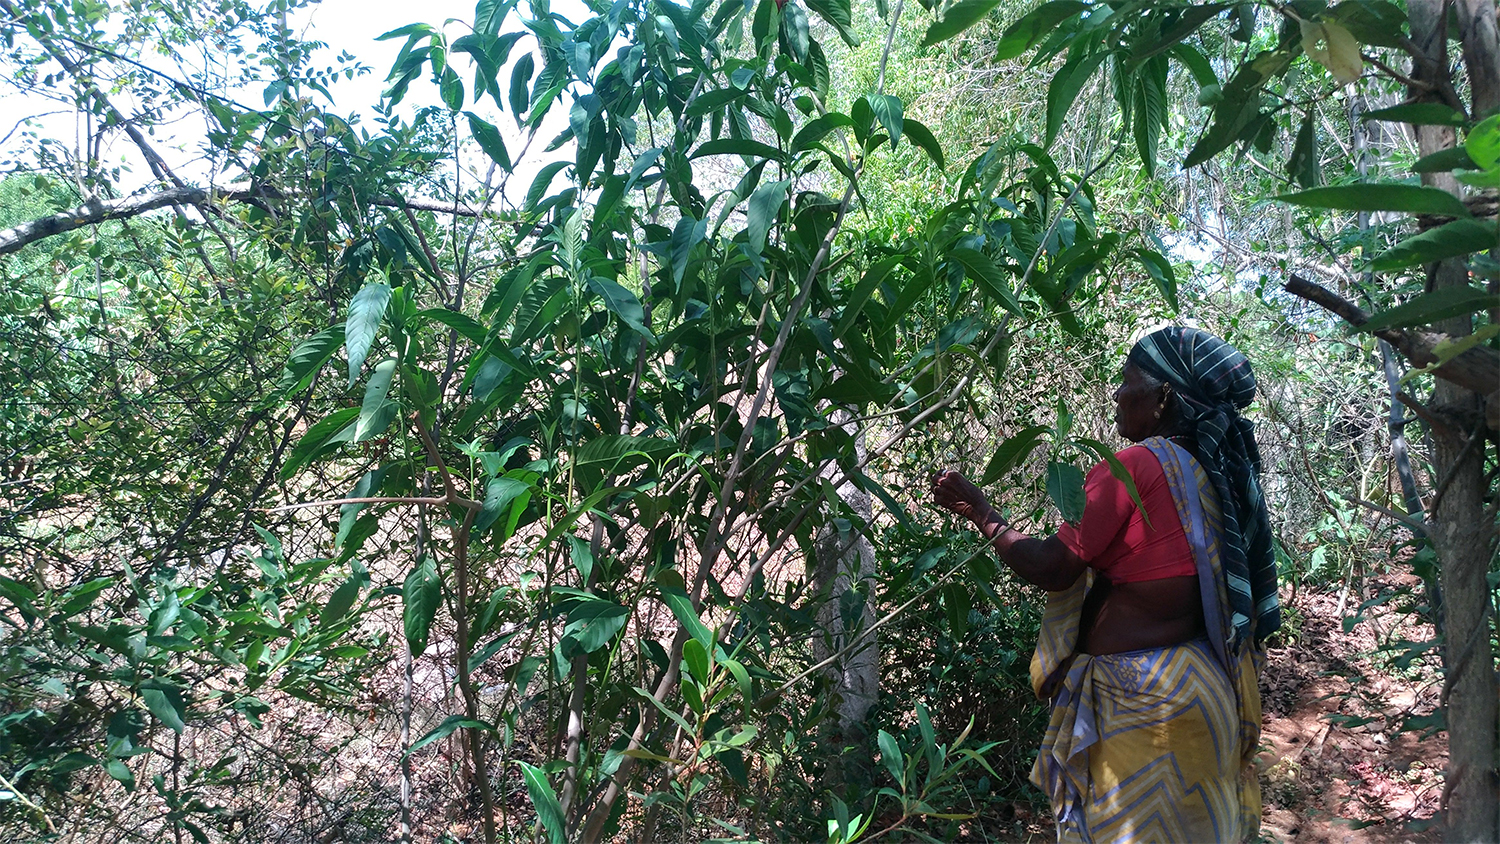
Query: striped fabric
1214, 382
1153, 745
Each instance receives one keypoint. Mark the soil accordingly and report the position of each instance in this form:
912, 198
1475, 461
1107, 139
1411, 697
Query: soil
1352, 749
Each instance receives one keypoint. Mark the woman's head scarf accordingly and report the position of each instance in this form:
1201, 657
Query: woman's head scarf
1214, 383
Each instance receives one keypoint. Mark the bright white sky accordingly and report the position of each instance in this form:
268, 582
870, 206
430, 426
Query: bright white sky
344, 25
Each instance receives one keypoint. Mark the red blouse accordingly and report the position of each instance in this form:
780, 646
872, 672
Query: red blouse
1113, 538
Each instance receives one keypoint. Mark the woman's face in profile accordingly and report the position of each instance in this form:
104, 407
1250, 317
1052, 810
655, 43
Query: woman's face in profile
1137, 404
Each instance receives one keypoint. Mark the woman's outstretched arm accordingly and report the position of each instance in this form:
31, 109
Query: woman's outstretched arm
1047, 563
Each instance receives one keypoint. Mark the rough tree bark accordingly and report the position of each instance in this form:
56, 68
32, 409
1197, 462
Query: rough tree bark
1460, 531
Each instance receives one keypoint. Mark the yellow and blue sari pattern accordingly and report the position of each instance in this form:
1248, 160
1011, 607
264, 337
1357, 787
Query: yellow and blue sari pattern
1153, 745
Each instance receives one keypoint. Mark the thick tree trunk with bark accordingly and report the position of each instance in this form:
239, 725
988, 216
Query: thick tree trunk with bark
1460, 531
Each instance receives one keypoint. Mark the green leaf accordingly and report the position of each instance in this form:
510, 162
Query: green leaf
308, 358
920, 135
1011, 452
360, 326
464, 325
794, 35
376, 411
839, 15
817, 129
544, 800
1303, 166
1483, 143
1420, 114
959, 17
165, 702
1433, 306
1064, 88
1240, 105
1065, 488
1377, 22
421, 594
1150, 110
520, 86
451, 89
121, 772
1453, 158
501, 495
1193, 17
339, 603
591, 625
489, 140
695, 657
1162, 274
540, 184
674, 595
323, 433
872, 280
989, 277
739, 146
762, 210
1450, 240
887, 110
1040, 22
622, 303
490, 14
1411, 199
890, 755
957, 601
450, 725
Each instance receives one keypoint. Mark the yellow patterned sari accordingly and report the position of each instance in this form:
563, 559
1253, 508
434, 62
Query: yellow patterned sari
1157, 744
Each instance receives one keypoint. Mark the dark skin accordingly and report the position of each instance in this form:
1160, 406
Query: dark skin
1117, 617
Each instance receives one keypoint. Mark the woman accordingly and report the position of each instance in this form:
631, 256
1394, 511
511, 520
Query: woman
1149, 649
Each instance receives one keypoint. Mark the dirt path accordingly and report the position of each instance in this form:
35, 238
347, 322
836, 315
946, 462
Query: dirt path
1350, 753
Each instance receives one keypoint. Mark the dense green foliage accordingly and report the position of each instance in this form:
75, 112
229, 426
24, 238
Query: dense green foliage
380, 495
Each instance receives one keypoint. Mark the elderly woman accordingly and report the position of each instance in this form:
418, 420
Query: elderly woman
1149, 649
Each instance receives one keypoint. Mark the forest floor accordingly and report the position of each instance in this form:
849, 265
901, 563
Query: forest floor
1351, 753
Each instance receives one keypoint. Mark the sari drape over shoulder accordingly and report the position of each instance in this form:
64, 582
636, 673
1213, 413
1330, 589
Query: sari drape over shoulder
1156, 744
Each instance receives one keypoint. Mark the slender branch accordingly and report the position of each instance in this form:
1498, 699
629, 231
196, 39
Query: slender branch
377, 499
27, 802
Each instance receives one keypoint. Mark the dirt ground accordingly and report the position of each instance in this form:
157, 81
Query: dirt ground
1352, 753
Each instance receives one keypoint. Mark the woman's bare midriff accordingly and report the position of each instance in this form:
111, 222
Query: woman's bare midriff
1120, 617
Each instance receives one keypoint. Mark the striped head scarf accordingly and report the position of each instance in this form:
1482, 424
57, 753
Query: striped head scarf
1214, 383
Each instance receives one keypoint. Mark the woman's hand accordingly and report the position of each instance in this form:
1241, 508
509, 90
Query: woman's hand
953, 491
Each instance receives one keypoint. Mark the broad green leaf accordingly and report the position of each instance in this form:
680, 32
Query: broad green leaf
582, 557
1483, 143
1450, 240
591, 625
622, 303
1034, 26
376, 411
540, 184
489, 140
1411, 199
166, 703
1011, 452
872, 279
686, 235
920, 135
367, 486
1064, 88
887, 111
339, 603
1065, 488
501, 495
739, 146
421, 594
118, 770
1421, 114
490, 14
1240, 105
1303, 166
1453, 158
1377, 22
959, 17
544, 800
464, 325
451, 89
794, 35
365, 312
1193, 17
450, 725
520, 86
762, 210
1150, 109
957, 601
323, 433
308, 358
1196, 63
1162, 274
989, 277
695, 657
1432, 307
890, 755
674, 595
839, 15
817, 129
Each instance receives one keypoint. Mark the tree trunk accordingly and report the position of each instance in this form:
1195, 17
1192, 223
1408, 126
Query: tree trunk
844, 578
1460, 533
